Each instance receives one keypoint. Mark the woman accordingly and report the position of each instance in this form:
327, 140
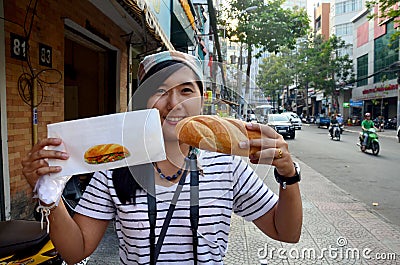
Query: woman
172, 83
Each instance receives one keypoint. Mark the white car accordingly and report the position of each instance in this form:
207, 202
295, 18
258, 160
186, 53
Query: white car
294, 119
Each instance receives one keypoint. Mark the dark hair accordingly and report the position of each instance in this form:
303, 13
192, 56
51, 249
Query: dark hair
125, 183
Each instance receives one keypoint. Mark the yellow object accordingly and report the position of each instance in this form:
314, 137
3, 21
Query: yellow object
48, 252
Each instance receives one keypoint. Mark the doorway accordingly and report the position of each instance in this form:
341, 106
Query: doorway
89, 78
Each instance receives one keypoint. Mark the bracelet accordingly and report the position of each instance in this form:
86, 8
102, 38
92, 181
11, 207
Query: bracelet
45, 212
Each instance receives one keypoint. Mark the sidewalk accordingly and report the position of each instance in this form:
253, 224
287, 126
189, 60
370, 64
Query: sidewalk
386, 133
337, 229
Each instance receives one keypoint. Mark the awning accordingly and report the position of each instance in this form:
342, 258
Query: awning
136, 9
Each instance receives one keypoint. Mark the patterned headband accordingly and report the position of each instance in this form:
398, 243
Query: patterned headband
151, 60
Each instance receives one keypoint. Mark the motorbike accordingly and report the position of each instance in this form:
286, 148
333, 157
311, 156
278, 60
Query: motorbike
380, 124
391, 124
27, 242
372, 141
341, 127
335, 132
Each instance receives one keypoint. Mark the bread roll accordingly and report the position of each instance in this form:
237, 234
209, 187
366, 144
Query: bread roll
104, 153
213, 133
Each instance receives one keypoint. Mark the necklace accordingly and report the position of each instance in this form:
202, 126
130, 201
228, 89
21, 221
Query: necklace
162, 175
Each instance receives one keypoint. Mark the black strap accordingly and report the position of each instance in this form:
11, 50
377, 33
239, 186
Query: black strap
155, 249
194, 202
168, 217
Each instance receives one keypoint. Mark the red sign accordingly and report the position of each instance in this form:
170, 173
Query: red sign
379, 89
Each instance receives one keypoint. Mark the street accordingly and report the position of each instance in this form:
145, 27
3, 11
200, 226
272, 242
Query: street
369, 178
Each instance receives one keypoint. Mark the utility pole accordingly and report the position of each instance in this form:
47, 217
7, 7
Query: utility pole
239, 78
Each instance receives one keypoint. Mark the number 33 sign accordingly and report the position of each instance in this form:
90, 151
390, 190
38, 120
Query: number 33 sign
45, 55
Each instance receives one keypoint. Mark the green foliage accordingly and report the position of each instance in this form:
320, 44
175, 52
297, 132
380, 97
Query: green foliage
277, 71
269, 26
316, 62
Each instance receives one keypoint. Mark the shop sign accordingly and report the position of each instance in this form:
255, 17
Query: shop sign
153, 23
161, 11
181, 11
356, 103
379, 89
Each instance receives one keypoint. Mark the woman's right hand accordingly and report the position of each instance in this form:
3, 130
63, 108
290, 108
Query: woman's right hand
34, 164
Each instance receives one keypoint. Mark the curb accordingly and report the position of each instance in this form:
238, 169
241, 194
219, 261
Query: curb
379, 134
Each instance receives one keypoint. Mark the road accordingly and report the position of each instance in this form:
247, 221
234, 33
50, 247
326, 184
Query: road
368, 178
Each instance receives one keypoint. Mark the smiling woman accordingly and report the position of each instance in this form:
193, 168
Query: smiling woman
185, 201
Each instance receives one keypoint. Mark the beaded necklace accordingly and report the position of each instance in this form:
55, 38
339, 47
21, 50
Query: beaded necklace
162, 175
180, 170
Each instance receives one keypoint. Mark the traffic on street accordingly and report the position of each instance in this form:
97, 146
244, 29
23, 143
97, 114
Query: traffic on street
371, 179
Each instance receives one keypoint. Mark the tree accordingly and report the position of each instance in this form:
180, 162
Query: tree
269, 27
317, 62
277, 72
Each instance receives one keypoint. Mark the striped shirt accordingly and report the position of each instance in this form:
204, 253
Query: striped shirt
228, 183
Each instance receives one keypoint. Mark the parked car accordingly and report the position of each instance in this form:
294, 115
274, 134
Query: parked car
294, 119
322, 120
282, 125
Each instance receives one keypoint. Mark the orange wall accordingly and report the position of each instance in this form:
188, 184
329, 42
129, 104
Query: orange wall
323, 11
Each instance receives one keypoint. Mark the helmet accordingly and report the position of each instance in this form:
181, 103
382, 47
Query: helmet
367, 114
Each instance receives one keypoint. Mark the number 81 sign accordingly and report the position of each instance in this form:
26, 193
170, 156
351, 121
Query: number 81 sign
19, 47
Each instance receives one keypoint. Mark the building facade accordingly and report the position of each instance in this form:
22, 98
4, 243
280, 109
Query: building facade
376, 89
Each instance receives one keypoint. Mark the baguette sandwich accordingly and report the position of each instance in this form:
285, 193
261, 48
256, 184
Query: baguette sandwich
104, 153
213, 133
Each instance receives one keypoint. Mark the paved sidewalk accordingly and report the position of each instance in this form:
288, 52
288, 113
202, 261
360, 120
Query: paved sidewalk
386, 133
337, 229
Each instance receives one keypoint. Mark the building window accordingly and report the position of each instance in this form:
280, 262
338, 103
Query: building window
348, 6
362, 70
344, 29
318, 23
385, 53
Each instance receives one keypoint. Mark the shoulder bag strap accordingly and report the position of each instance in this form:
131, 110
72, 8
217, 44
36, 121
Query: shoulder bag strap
169, 213
194, 202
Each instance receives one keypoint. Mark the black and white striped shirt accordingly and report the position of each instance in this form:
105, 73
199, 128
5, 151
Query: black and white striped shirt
227, 184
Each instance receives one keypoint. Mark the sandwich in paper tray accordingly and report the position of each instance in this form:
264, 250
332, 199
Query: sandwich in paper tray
100, 143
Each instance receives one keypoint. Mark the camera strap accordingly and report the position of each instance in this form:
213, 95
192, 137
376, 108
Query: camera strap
155, 248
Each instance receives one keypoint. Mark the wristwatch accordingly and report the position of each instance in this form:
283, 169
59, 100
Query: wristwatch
284, 181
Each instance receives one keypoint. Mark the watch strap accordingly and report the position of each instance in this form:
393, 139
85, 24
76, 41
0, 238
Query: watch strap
284, 181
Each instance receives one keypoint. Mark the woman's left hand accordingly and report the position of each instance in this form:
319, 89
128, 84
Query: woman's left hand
274, 149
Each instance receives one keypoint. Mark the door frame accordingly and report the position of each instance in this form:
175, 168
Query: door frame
96, 40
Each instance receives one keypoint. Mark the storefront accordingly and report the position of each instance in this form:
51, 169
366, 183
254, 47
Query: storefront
379, 100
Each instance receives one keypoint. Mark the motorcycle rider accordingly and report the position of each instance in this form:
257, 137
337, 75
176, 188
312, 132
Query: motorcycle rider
341, 122
339, 118
366, 124
333, 121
